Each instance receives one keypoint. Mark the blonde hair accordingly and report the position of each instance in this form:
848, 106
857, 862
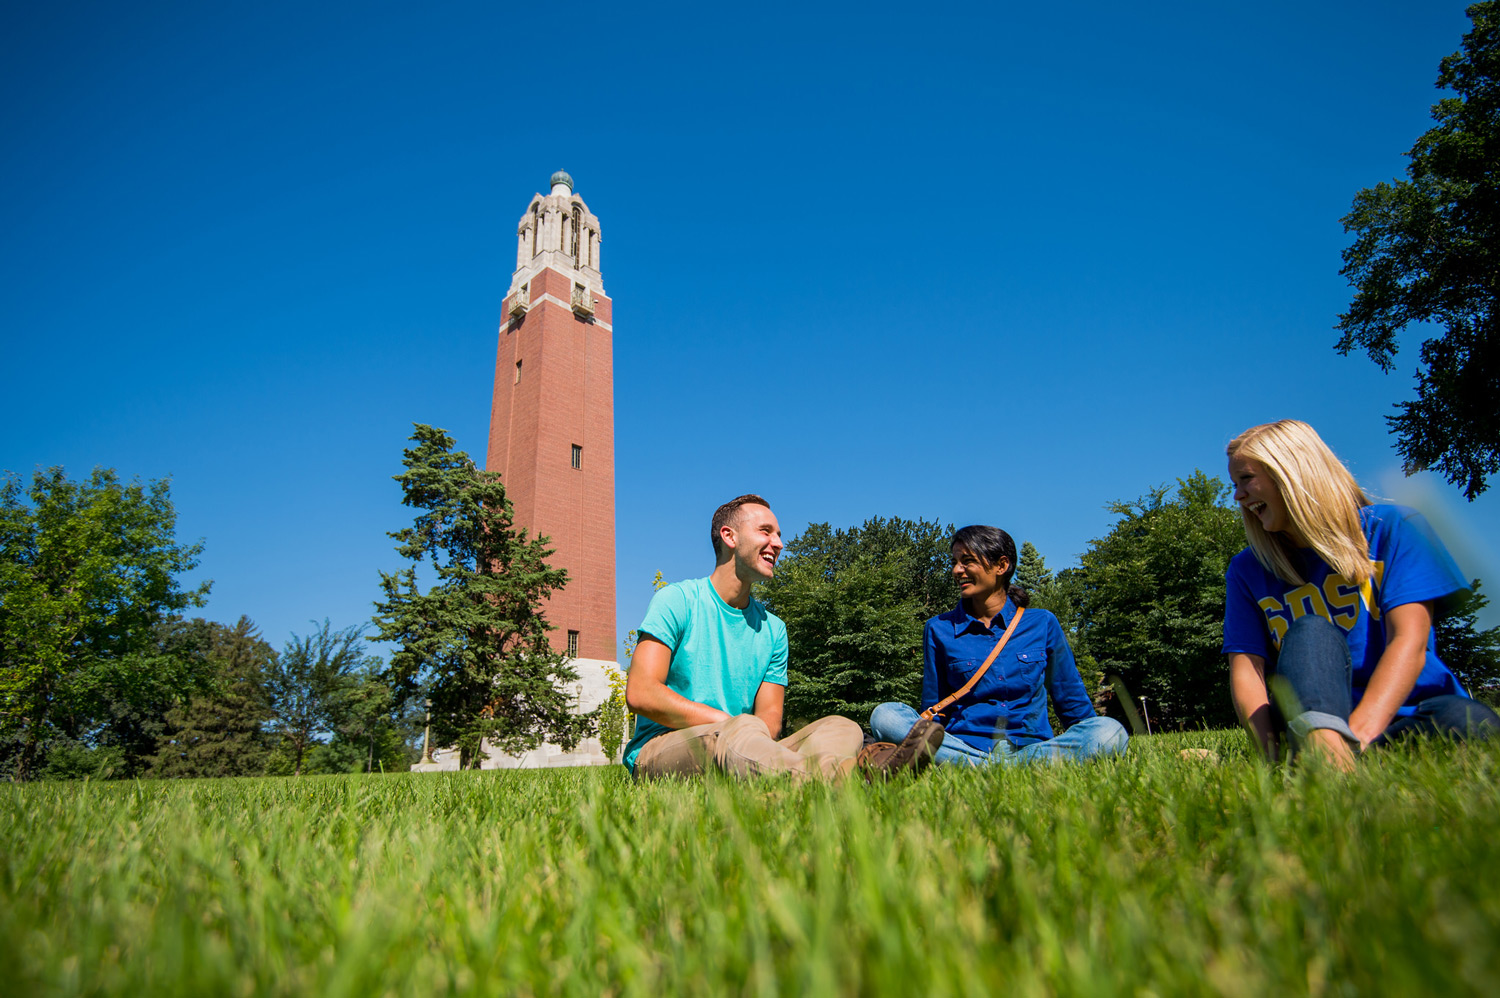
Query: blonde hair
1322, 499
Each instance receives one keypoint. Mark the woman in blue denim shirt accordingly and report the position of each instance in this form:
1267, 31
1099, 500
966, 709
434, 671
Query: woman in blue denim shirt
1003, 719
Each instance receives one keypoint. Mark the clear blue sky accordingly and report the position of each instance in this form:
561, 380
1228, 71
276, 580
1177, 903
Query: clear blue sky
995, 264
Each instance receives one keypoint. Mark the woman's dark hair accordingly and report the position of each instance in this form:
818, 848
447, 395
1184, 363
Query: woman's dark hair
990, 545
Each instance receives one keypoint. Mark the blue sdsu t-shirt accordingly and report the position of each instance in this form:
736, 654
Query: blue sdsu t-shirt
1410, 566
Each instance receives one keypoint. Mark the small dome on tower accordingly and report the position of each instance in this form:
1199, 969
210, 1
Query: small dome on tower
562, 177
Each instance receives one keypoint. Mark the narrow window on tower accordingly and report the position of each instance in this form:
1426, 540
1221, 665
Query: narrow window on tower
577, 457
518, 372
572, 644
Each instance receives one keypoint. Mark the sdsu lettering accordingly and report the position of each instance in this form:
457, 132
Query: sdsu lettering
1336, 600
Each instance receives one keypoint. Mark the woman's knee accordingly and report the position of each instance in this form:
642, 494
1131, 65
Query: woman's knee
1106, 735
892, 721
1318, 635
1314, 658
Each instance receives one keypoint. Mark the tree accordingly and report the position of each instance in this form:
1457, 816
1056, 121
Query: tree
87, 570
1472, 654
1059, 594
1031, 572
478, 633
221, 732
854, 602
1427, 250
1151, 598
308, 684
369, 715
137, 692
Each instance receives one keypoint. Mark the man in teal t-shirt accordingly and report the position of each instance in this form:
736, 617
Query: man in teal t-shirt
708, 677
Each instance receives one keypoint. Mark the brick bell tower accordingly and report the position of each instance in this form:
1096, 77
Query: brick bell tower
552, 418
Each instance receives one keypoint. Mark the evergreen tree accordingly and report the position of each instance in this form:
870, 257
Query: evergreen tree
477, 634
1031, 569
221, 732
1472, 654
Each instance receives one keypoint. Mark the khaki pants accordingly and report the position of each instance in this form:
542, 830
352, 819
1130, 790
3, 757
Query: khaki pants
743, 746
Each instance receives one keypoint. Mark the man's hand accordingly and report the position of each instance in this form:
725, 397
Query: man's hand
647, 693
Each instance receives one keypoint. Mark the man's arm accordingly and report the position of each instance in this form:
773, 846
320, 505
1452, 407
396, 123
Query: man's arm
1247, 686
769, 700
647, 693
1406, 628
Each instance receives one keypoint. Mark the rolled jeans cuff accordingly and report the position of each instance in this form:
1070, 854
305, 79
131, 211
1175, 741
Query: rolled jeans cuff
1310, 720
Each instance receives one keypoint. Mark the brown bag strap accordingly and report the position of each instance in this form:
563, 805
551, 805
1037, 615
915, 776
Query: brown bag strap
937, 708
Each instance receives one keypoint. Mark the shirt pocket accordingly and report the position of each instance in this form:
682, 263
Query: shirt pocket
990, 686
1025, 671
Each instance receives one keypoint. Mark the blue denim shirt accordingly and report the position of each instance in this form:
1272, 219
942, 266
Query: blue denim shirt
1012, 696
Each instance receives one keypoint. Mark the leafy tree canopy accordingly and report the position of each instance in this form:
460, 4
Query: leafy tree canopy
1427, 250
477, 634
87, 571
854, 601
1151, 598
309, 684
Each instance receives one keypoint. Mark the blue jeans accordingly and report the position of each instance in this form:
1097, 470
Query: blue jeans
1314, 661
1091, 737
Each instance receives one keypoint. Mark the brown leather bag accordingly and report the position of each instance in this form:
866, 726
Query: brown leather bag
936, 710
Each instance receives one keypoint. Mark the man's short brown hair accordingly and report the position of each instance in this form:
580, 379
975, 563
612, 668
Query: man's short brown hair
729, 511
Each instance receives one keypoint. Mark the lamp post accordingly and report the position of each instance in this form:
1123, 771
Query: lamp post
427, 736
1148, 715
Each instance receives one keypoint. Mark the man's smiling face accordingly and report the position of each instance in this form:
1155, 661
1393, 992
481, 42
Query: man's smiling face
757, 541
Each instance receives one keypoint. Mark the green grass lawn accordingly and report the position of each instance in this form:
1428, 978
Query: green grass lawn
1147, 875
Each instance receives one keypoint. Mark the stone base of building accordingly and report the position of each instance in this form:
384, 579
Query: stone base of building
591, 690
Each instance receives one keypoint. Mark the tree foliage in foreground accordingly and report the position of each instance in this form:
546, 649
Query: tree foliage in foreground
854, 601
1152, 599
87, 571
477, 634
1427, 250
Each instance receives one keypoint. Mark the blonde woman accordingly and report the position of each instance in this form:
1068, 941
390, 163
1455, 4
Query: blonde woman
1337, 596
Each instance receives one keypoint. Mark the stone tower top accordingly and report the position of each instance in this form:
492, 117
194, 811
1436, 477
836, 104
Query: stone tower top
558, 232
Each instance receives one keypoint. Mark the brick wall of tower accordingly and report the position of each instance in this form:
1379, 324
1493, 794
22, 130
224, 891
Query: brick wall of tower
565, 396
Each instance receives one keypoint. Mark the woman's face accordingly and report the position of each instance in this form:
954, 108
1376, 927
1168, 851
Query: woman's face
1256, 493
976, 580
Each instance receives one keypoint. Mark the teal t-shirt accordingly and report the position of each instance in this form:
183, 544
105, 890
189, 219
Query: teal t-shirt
720, 655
